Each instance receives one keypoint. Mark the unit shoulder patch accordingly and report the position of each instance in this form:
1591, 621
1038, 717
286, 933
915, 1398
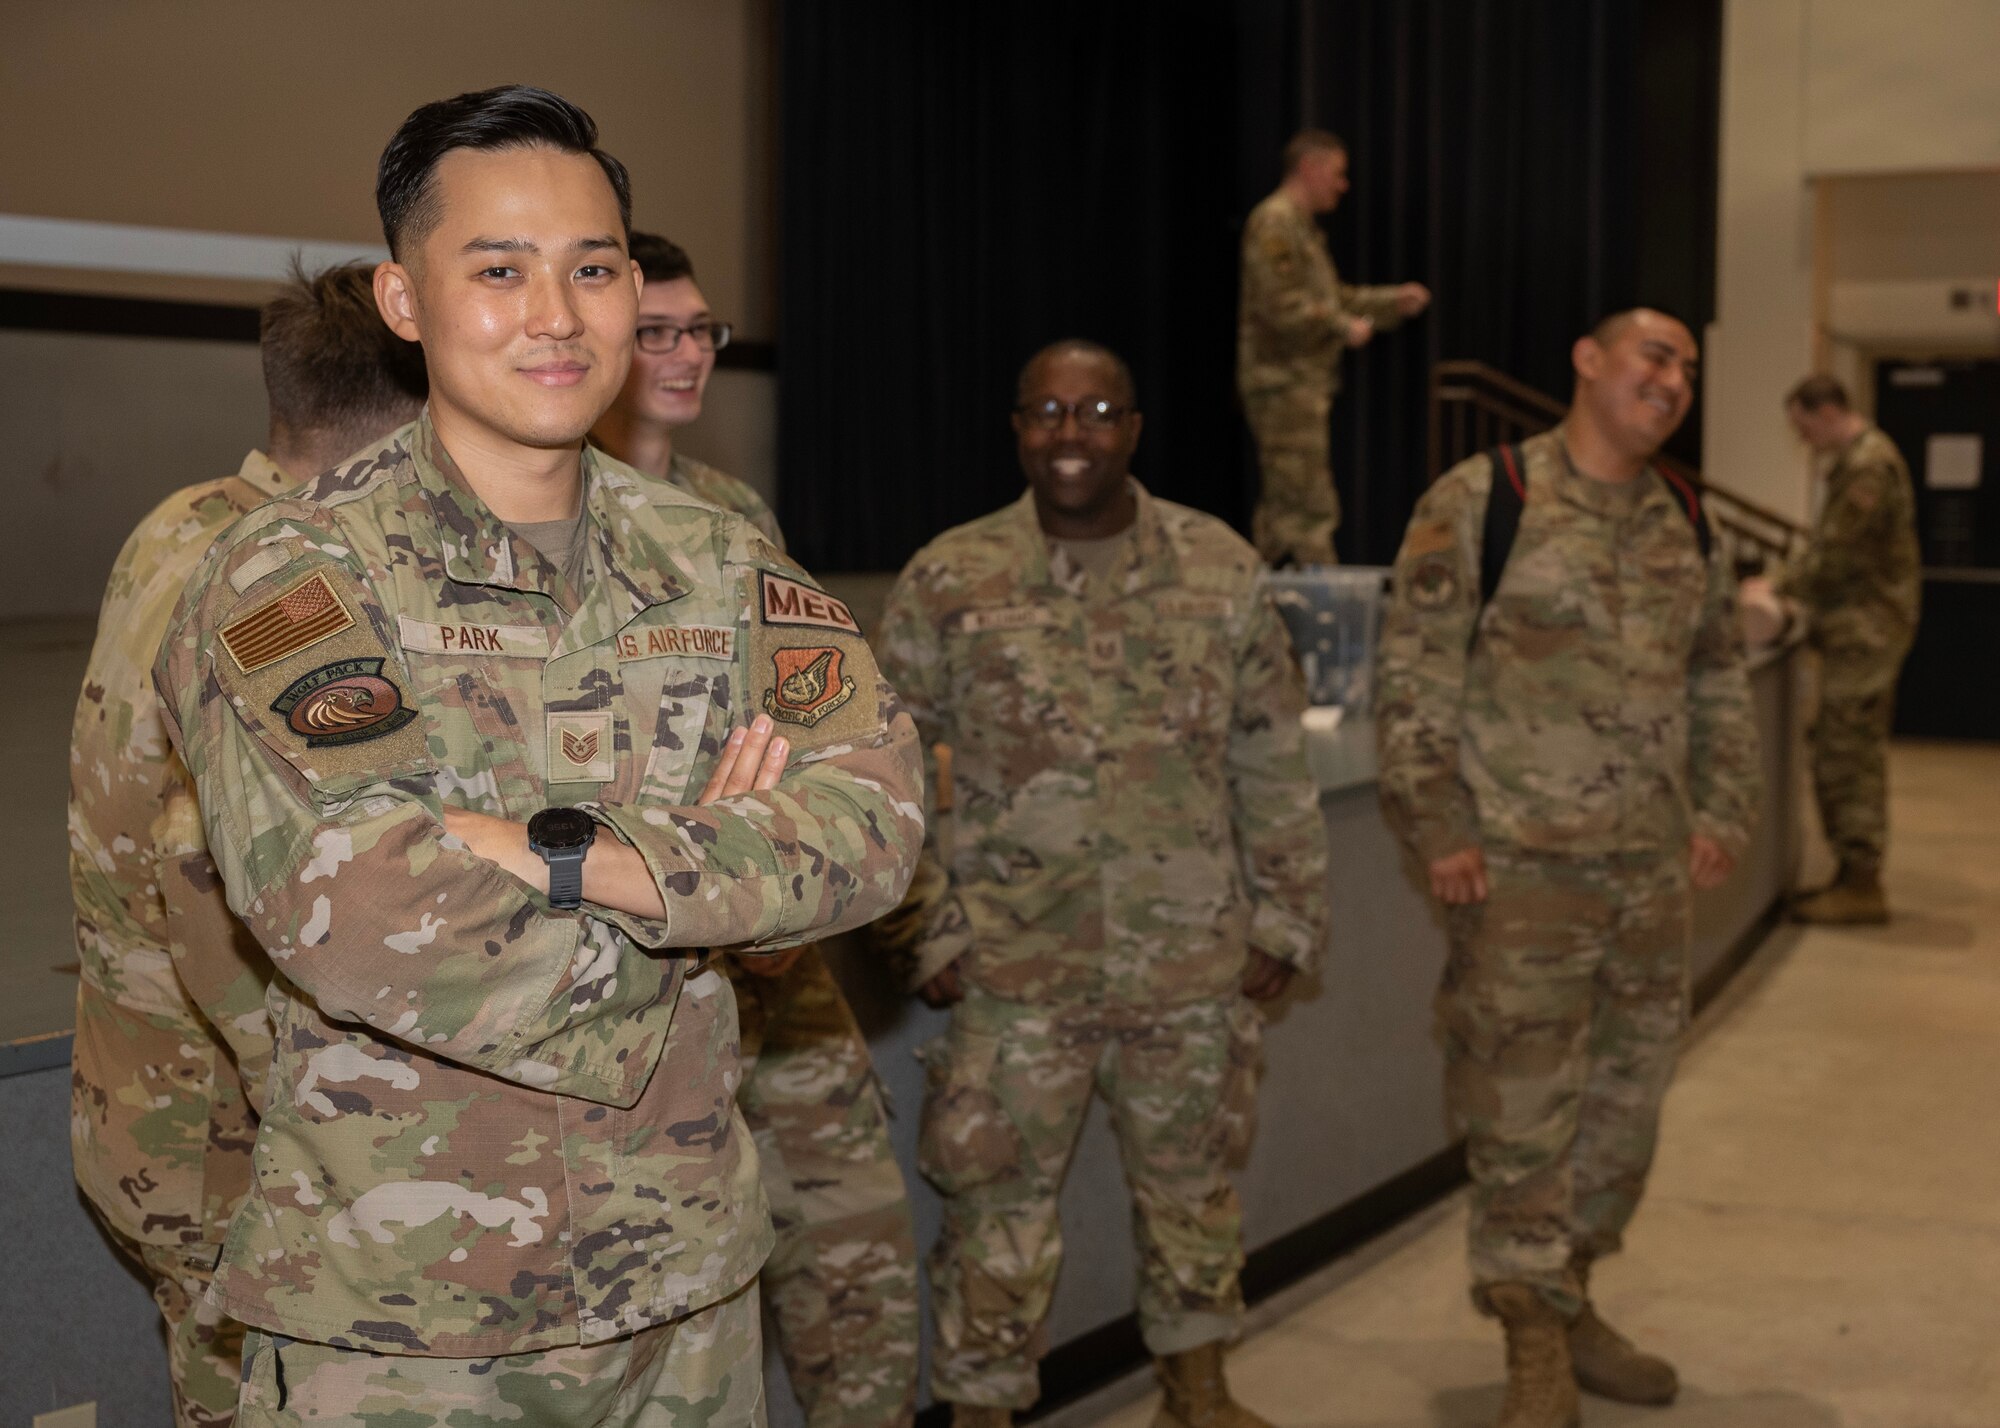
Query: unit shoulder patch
793, 602
1433, 583
345, 702
809, 684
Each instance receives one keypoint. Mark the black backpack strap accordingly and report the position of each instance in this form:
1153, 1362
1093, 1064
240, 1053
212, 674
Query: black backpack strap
1689, 500
1505, 498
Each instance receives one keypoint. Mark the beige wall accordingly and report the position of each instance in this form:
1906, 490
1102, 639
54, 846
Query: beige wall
1912, 227
266, 120
1853, 133
243, 116
1761, 341
1892, 86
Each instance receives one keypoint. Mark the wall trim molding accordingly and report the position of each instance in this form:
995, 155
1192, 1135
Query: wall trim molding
97, 315
182, 252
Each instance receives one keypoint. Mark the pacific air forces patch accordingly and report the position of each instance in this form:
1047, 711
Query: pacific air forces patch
809, 684
808, 667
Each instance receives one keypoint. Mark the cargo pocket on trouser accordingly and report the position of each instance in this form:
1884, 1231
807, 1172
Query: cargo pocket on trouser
966, 1137
265, 1394
1242, 1073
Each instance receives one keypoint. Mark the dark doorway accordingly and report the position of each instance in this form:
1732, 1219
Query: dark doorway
1945, 417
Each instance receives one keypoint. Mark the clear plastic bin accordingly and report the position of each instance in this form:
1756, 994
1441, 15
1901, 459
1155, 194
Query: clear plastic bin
1334, 613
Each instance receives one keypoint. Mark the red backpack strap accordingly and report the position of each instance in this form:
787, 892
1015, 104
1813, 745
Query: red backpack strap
1689, 500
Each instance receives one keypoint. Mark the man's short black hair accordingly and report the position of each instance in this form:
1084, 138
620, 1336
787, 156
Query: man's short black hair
1081, 347
514, 116
331, 365
1611, 325
1311, 141
1819, 390
661, 259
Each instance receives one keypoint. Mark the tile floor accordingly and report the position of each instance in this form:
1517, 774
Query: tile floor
1821, 1244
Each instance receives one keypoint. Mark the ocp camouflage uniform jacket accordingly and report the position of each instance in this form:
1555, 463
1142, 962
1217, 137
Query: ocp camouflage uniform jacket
719, 488
1132, 805
161, 1120
494, 1126
1598, 705
1293, 307
1861, 576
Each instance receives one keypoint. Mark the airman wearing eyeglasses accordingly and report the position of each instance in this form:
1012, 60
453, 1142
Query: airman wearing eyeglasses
842, 1282
672, 360
1138, 858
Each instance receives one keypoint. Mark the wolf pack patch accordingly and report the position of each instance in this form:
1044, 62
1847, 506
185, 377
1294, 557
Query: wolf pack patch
346, 702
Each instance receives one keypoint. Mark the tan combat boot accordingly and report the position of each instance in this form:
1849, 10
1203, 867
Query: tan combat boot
1541, 1384
1608, 1365
976, 1415
1854, 899
1197, 1395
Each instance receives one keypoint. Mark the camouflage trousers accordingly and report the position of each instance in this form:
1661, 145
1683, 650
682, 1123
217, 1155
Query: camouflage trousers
1561, 1012
1849, 741
841, 1282
204, 1345
1297, 510
701, 1371
1008, 1086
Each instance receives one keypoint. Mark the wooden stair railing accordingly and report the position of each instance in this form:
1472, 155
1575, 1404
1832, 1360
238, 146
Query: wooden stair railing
1474, 407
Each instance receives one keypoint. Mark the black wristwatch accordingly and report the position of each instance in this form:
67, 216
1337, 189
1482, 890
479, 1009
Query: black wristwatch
562, 836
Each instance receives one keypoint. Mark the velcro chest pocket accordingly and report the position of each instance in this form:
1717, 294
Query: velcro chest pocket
478, 683
1192, 664
675, 664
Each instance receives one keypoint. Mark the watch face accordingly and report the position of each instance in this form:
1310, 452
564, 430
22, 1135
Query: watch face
560, 828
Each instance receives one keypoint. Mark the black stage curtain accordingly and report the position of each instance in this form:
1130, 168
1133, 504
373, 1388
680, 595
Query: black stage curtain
1537, 163
961, 184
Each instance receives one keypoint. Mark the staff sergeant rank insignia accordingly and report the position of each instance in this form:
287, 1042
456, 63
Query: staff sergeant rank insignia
345, 702
809, 687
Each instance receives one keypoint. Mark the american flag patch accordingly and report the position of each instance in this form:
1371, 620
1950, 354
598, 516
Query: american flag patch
301, 617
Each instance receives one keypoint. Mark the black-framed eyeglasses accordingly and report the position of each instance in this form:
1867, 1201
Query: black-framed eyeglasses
658, 337
1049, 414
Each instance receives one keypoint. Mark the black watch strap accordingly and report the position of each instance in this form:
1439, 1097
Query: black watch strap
561, 837
565, 876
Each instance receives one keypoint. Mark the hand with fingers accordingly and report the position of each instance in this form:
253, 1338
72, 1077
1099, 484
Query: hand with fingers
945, 989
1459, 878
1709, 863
753, 760
1265, 977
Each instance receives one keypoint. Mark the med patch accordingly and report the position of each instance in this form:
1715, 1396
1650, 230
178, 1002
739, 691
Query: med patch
792, 602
